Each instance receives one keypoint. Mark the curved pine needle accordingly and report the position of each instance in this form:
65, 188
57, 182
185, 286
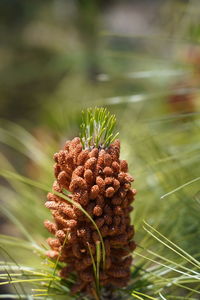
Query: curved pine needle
187, 257
180, 187
145, 295
165, 279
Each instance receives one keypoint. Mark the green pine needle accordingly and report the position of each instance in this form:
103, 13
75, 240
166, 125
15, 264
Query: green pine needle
97, 128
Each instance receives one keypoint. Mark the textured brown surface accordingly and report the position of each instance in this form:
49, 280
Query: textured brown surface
98, 180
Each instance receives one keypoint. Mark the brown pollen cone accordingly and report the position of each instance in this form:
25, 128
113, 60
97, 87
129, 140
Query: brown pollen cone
98, 180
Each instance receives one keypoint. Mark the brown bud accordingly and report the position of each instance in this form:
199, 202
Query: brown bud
77, 183
123, 166
50, 226
82, 157
109, 192
71, 223
60, 235
69, 159
115, 167
108, 180
53, 243
51, 197
107, 171
63, 179
74, 143
100, 182
51, 205
78, 150
127, 186
60, 157
97, 211
94, 153
116, 184
56, 187
94, 192
81, 197
107, 160
100, 161
52, 254
78, 171
67, 210
91, 163
122, 193
57, 170
67, 144
88, 175
77, 212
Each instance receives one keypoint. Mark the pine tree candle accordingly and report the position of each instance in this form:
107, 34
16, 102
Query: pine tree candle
90, 169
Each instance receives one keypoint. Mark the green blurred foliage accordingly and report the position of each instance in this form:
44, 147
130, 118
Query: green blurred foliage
59, 57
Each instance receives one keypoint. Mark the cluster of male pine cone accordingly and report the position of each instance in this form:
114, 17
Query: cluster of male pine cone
98, 180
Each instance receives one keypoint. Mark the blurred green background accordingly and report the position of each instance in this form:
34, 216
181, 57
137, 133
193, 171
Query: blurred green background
141, 60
